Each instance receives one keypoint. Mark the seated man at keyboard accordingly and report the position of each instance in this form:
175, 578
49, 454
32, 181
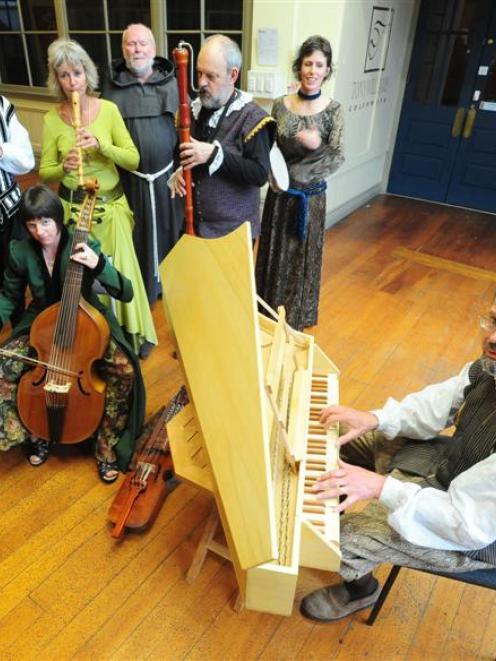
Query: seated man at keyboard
433, 497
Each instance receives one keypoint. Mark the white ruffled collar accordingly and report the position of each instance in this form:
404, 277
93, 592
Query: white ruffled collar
242, 98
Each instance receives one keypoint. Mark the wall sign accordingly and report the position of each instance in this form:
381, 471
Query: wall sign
381, 23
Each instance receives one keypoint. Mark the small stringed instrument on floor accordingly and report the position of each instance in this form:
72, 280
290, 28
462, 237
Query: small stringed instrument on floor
145, 488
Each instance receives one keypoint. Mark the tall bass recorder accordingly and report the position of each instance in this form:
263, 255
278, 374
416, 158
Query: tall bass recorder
251, 434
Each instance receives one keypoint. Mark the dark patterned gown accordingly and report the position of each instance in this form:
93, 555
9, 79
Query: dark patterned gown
289, 267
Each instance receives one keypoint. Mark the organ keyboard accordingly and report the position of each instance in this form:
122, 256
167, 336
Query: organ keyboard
251, 434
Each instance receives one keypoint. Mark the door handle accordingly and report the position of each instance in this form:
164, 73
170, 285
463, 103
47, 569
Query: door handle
469, 124
456, 129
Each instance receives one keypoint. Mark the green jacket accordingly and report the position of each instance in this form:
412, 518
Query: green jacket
26, 267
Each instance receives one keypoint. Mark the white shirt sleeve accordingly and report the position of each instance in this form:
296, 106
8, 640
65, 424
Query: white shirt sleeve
218, 160
424, 414
460, 519
17, 157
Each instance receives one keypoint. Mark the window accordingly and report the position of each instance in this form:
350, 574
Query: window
98, 24
446, 50
27, 27
194, 20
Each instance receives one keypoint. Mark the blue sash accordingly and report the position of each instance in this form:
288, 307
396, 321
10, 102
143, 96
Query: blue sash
303, 195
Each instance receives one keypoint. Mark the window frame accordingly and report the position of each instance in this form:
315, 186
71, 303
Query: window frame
158, 27
246, 23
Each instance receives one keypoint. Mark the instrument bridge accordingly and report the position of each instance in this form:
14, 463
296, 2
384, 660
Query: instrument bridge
58, 388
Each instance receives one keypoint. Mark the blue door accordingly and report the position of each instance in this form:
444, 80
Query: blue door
445, 147
473, 180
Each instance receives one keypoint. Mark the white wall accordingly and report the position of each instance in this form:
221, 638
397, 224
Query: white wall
371, 99
294, 20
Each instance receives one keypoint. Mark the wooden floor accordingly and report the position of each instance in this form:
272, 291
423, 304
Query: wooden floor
402, 285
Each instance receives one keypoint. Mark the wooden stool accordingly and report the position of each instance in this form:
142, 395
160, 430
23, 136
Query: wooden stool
208, 543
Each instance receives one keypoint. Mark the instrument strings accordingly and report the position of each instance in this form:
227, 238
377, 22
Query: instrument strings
61, 354
149, 455
147, 459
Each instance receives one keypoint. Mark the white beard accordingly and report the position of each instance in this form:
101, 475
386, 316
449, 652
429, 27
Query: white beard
143, 70
489, 366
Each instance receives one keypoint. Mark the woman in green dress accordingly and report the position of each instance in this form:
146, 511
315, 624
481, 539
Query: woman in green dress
102, 142
40, 262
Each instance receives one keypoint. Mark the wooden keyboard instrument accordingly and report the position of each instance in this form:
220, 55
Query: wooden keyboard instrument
251, 433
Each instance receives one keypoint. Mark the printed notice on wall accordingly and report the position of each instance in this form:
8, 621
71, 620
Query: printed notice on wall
267, 47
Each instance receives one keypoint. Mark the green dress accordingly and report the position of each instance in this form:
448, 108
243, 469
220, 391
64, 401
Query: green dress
112, 220
26, 267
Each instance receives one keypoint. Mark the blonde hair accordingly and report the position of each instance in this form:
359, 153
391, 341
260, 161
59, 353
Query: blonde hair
62, 51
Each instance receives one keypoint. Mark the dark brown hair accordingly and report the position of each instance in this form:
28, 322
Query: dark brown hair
313, 43
41, 202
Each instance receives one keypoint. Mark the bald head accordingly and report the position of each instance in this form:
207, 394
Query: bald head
218, 66
227, 48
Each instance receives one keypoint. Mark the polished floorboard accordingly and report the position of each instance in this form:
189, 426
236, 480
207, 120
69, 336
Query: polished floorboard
403, 283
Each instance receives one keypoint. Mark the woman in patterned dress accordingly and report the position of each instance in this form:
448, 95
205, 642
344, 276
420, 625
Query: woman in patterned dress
310, 136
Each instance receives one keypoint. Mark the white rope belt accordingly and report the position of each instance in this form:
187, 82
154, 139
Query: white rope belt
150, 178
